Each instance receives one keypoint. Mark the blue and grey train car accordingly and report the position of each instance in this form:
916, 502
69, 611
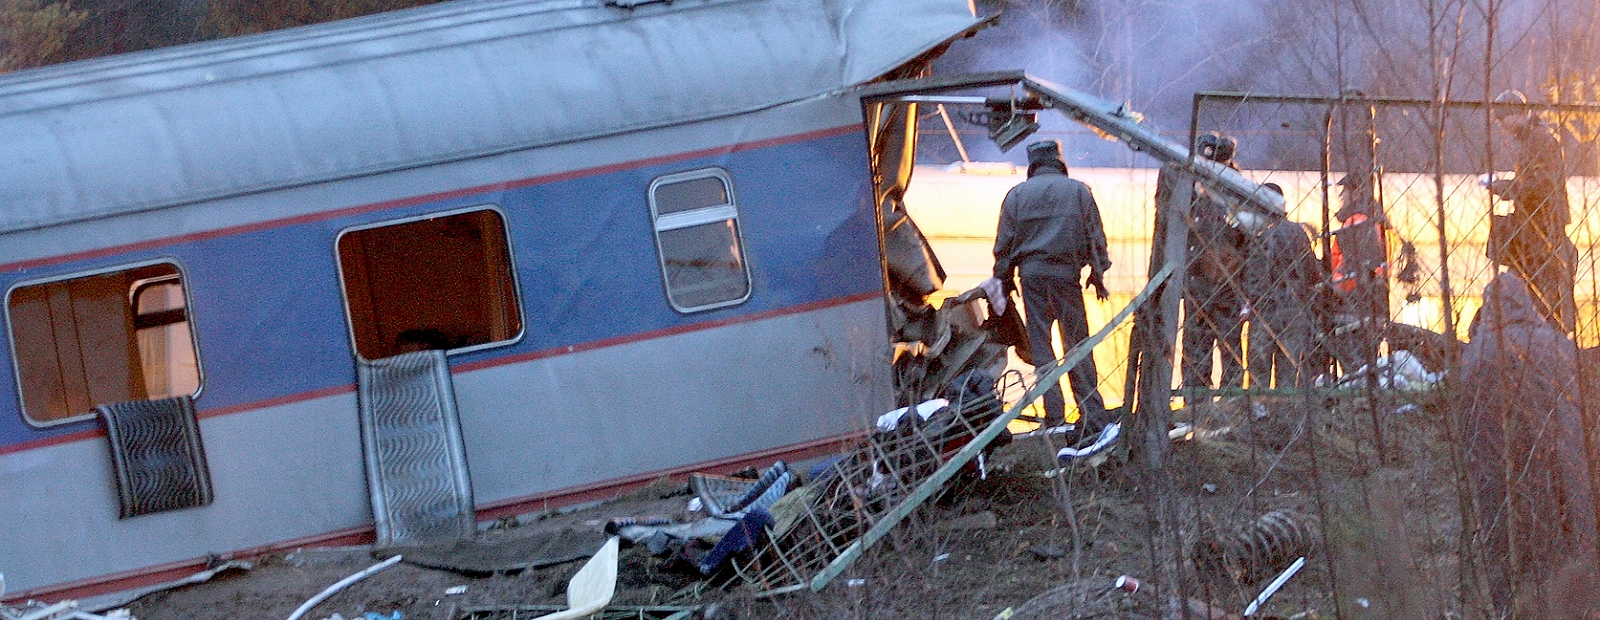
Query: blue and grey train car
646, 234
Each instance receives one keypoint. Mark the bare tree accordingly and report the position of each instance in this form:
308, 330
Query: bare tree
32, 34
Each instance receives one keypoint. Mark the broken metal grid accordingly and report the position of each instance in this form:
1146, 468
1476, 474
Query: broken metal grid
862, 488
869, 491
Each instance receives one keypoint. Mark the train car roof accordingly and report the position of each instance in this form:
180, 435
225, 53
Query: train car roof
445, 82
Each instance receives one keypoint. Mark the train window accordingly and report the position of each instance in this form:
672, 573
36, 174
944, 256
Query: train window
697, 233
443, 281
101, 338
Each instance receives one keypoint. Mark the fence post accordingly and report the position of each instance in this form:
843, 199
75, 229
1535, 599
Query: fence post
1151, 416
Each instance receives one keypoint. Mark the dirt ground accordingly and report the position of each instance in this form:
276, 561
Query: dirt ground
1237, 466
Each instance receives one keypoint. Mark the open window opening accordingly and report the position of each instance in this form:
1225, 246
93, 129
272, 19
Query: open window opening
440, 282
102, 338
697, 233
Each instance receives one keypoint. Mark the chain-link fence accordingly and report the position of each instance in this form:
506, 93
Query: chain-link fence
1403, 354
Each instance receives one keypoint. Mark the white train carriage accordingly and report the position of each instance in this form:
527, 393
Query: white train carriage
645, 233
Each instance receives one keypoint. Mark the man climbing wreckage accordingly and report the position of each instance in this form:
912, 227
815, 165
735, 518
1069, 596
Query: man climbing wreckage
1049, 230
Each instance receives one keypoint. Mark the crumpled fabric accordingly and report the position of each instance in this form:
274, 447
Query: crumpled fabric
742, 536
708, 528
888, 422
1108, 436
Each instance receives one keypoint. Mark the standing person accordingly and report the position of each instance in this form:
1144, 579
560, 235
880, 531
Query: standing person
1050, 229
1532, 240
1281, 280
1359, 258
1213, 298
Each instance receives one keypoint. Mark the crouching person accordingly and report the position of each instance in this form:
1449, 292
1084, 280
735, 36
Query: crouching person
1518, 395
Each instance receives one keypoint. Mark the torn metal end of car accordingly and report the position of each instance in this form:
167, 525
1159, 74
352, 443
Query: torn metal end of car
1112, 119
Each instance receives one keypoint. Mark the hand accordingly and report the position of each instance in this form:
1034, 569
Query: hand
1098, 281
1245, 313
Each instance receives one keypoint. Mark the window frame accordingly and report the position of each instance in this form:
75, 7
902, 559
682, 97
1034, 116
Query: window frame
511, 266
697, 217
188, 317
140, 286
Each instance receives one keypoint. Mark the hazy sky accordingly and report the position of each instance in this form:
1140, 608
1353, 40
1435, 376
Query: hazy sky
1157, 53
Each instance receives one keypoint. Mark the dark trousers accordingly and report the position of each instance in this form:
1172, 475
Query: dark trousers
1280, 348
1211, 319
1358, 325
1058, 301
1547, 262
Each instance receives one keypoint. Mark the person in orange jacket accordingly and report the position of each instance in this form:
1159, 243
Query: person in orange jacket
1358, 257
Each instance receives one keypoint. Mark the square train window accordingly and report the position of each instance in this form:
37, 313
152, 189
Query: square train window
438, 282
102, 338
697, 234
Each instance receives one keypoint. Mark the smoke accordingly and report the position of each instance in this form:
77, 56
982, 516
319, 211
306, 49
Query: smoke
1155, 54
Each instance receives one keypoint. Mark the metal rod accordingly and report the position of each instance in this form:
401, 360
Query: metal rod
1272, 588
938, 99
951, 127
1327, 220
948, 470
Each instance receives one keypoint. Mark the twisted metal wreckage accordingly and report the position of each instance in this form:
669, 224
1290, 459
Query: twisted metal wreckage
810, 537
956, 409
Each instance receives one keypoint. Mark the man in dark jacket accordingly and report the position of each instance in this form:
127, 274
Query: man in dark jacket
1212, 293
1532, 240
1050, 229
1518, 396
1281, 279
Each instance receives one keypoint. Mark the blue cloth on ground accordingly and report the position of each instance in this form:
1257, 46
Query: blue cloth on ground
744, 535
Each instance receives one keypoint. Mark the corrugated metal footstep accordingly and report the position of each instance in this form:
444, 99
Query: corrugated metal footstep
416, 462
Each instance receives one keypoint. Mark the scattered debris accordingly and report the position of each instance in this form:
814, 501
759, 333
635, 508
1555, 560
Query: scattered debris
61, 610
506, 551
1090, 597
729, 498
592, 588
888, 422
1399, 370
1272, 588
342, 584
122, 599
1264, 546
1108, 436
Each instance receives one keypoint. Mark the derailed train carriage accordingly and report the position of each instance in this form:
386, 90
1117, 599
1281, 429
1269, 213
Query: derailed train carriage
646, 235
